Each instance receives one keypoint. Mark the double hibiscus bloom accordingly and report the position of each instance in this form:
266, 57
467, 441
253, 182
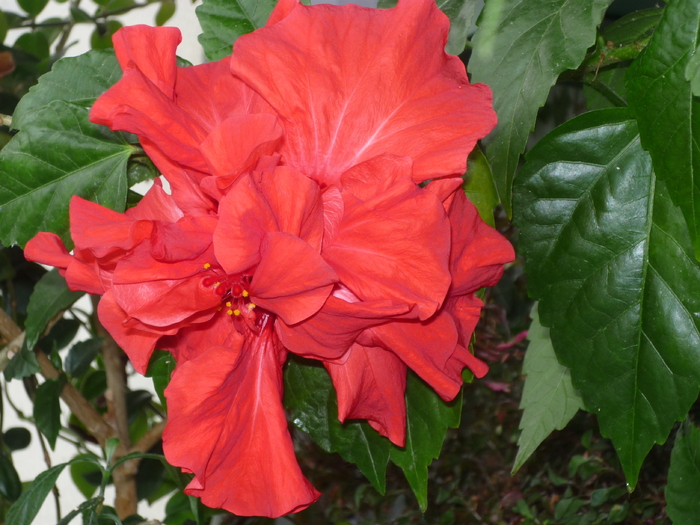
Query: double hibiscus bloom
297, 221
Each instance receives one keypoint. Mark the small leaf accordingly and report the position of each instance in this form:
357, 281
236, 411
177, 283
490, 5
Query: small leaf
461, 14
32, 7
683, 504
549, 399
85, 506
160, 369
427, 419
35, 44
101, 37
310, 398
86, 476
23, 364
78, 15
480, 187
223, 21
24, 510
519, 51
81, 355
610, 258
657, 85
10, 485
47, 409
166, 12
110, 447
17, 438
59, 155
60, 336
50, 296
3, 27
633, 26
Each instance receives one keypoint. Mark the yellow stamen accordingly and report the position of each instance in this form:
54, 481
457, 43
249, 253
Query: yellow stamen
229, 312
216, 285
228, 304
207, 266
251, 306
245, 293
236, 312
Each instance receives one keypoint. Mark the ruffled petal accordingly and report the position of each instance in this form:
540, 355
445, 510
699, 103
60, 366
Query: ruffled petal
426, 348
351, 83
156, 205
394, 246
370, 385
226, 422
334, 328
48, 248
292, 280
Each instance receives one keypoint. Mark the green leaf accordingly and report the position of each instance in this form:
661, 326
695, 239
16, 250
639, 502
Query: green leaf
519, 50
610, 82
166, 12
310, 398
51, 295
10, 485
549, 399
23, 364
85, 506
81, 355
160, 369
60, 336
34, 43
47, 409
24, 510
611, 261
60, 155
427, 419
668, 114
79, 80
692, 73
32, 7
86, 476
223, 21
461, 14
683, 504
3, 27
633, 26
480, 187
17, 438
101, 37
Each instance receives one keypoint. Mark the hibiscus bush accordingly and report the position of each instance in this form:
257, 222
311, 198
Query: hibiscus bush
331, 197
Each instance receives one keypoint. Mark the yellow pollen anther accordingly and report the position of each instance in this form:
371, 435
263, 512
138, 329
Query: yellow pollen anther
228, 304
229, 312
236, 312
216, 285
251, 306
207, 266
245, 293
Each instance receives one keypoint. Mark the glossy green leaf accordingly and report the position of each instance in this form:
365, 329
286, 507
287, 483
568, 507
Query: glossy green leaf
611, 261
549, 399
81, 355
47, 409
682, 502
223, 21
10, 485
519, 50
427, 419
17, 438
310, 398
480, 187
79, 80
50, 296
32, 7
668, 114
60, 336
160, 369
633, 26
692, 73
461, 14
59, 155
24, 510
166, 12
23, 364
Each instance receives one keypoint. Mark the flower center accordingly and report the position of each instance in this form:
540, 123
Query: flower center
235, 297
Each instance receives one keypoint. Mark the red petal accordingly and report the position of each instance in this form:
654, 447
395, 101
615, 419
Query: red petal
152, 50
137, 340
426, 348
351, 83
370, 385
236, 144
156, 205
395, 246
226, 423
244, 218
478, 251
292, 280
330, 331
48, 248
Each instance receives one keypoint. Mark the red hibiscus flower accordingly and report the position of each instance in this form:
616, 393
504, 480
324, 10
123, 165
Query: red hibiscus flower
296, 224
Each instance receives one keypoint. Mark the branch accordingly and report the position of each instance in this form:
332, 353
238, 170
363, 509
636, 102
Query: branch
150, 438
606, 57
